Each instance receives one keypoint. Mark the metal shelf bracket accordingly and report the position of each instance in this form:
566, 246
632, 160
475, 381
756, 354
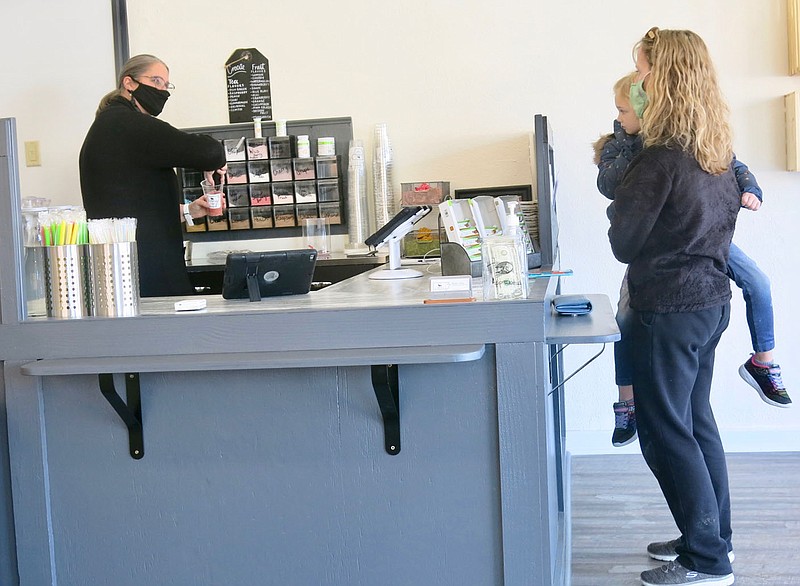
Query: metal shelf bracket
577, 370
130, 412
386, 384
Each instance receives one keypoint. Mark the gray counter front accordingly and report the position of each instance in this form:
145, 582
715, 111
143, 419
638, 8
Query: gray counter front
264, 450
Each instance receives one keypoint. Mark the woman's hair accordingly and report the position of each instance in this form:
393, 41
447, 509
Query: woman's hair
685, 105
134, 67
622, 89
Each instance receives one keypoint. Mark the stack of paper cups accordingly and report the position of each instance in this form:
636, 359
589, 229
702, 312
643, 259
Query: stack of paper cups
357, 210
383, 190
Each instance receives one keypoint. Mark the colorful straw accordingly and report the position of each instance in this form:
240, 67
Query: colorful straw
63, 227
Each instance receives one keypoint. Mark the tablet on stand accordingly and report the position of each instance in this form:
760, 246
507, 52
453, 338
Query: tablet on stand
390, 235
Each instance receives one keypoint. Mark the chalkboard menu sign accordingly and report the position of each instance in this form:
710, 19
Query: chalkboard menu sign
247, 71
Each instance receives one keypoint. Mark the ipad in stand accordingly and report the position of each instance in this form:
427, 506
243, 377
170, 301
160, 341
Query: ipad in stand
253, 275
390, 235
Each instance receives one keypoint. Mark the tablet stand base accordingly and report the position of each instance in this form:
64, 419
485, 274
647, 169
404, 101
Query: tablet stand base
394, 271
387, 274
252, 282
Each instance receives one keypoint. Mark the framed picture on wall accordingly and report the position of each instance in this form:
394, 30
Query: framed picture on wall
522, 192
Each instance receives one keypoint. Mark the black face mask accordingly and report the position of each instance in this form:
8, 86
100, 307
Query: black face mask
150, 98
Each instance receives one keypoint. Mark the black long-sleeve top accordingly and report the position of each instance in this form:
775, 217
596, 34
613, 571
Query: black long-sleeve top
672, 223
127, 170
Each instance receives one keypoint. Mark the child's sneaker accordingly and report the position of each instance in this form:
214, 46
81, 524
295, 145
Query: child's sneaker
767, 381
624, 424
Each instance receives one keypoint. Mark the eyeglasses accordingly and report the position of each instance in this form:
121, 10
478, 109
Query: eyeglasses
158, 82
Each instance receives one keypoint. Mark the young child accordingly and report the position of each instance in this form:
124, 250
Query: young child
613, 153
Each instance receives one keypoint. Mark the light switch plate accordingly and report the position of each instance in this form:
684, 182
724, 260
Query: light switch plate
32, 156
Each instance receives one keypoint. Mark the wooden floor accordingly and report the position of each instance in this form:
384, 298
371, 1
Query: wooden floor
617, 509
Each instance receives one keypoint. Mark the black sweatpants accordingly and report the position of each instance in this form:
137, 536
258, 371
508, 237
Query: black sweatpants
673, 356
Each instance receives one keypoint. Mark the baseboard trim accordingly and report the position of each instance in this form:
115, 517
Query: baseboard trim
584, 443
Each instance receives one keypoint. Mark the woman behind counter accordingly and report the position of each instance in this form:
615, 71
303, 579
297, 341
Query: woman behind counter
127, 170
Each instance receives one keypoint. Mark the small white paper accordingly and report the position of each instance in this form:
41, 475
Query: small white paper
452, 284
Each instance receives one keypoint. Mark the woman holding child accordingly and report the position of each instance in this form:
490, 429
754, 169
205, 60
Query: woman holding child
672, 220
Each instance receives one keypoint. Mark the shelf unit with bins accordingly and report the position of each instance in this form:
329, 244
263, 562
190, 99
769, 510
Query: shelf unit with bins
268, 197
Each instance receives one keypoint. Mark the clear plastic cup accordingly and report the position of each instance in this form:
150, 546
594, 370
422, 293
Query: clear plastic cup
214, 197
317, 235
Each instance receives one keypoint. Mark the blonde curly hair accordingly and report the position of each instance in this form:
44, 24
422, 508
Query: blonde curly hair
685, 108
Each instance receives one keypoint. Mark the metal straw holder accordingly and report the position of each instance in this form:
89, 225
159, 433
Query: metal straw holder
68, 284
115, 279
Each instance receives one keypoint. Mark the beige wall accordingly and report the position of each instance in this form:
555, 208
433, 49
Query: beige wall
56, 60
458, 82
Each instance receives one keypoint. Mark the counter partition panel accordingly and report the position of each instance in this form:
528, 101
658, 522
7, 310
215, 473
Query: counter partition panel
11, 277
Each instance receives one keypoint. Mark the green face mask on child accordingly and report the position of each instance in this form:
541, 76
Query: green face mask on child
638, 97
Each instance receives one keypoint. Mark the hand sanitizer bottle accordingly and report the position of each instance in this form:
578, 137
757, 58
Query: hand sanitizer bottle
505, 262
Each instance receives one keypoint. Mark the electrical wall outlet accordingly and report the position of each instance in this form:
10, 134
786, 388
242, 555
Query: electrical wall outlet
32, 156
